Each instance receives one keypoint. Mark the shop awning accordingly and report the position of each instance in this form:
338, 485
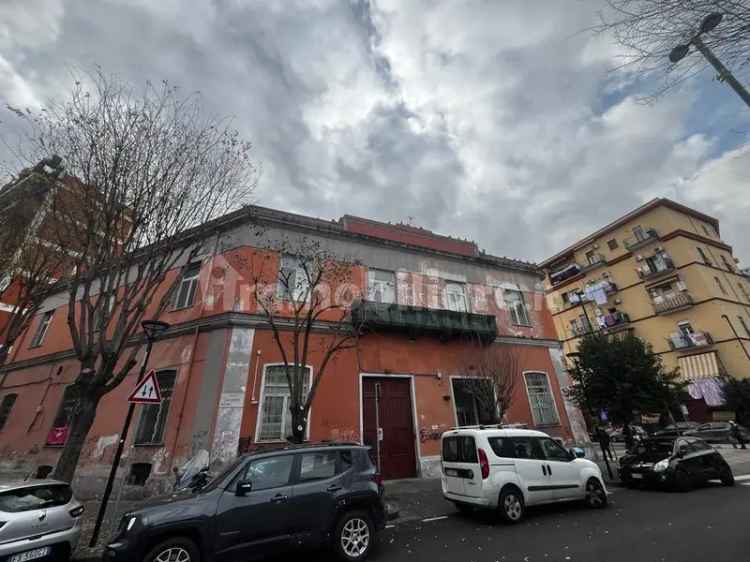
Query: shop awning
700, 366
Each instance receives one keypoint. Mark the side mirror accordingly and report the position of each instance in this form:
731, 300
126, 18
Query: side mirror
244, 487
682, 451
577, 453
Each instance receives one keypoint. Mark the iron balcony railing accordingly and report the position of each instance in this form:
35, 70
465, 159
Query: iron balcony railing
415, 320
689, 341
648, 272
637, 242
674, 303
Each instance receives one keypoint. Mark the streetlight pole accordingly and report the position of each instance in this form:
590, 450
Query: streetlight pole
725, 75
153, 329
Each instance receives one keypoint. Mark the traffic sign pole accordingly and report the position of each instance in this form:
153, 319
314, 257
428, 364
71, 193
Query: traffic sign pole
118, 454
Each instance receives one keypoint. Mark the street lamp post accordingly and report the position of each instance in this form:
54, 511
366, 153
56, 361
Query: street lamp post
681, 51
153, 329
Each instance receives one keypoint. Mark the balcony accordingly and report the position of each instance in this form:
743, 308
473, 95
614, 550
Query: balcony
580, 330
416, 321
648, 272
679, 340
615, 321
673, 303
571, 270
636, 242
595, 261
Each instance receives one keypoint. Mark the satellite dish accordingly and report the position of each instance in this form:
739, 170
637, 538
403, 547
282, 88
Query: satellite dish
679, 53
711, 21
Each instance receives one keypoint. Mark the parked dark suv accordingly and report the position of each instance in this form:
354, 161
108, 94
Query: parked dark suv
264, 503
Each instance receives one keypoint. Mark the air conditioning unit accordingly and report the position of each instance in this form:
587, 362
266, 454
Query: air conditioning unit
681, 286
639, 258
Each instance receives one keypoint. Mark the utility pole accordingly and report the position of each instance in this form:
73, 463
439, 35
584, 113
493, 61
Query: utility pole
725, 75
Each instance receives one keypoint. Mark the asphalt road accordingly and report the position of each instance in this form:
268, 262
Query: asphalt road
707, 524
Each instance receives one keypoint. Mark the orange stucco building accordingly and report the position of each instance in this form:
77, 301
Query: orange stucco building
423, 298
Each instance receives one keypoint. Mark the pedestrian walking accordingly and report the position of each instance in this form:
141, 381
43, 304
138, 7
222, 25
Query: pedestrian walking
627, 435
737, 437
604, 442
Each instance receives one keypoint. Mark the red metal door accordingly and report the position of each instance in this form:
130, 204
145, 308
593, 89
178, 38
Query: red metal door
387, 401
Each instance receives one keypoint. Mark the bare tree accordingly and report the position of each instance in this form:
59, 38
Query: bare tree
30, 266
308, 309
491, 374
143, 167
649, 30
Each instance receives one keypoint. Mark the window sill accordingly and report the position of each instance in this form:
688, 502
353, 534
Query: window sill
176, 309
556, 424
36, 346
523, 325
159, 444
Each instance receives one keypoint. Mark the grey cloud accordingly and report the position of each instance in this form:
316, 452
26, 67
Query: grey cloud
495, 121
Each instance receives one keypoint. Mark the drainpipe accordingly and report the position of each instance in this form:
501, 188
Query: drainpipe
736, 335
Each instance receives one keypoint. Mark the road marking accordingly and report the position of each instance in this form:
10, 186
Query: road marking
742, 478
438, 518
390, 526
744, 483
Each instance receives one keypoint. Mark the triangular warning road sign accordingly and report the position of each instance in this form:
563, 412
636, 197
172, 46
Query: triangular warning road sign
147, 391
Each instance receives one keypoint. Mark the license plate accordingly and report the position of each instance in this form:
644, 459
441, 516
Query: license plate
637, 476
30, 555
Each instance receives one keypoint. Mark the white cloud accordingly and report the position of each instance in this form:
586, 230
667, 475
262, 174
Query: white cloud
494, 120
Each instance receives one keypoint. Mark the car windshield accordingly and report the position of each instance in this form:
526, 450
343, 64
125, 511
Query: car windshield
215, 481
655, 446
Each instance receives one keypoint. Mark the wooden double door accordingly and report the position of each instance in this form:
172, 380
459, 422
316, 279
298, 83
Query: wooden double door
388, 425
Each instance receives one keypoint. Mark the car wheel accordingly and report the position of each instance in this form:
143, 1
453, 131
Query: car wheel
354, 536
682, 481
511, 504
596, 497
726, 476
177, 549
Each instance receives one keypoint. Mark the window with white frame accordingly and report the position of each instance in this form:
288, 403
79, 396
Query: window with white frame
381, 286
455, 297
519, 314
275, 418
41, 329
184, 296
294, 281
540, 399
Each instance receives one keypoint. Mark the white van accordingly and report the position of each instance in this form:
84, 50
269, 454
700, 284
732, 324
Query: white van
514, 468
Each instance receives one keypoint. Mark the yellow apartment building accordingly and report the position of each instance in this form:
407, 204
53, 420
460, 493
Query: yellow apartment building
663, 272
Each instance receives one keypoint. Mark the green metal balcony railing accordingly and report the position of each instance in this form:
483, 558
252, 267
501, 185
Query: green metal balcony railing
418, 320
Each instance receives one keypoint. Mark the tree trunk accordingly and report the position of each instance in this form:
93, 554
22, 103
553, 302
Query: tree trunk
299, 424
82, 420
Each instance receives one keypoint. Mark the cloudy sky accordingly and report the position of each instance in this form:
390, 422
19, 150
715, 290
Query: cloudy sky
499, 121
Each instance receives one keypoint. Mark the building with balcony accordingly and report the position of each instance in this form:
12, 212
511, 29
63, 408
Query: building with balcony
425, 304
663, 272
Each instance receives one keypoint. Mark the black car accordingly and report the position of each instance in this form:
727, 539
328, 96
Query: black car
677, 464
264, 503
675, 430
718, 432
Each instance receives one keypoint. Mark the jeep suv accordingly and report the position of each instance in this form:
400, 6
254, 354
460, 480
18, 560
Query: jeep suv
509, 469
264, 503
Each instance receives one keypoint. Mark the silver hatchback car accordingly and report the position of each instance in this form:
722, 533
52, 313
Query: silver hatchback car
39, 520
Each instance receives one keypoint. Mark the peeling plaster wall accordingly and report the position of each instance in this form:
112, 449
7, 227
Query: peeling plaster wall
232, 399
211, 382
575, 416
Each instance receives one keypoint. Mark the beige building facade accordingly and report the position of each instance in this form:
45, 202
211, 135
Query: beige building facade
663, 272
